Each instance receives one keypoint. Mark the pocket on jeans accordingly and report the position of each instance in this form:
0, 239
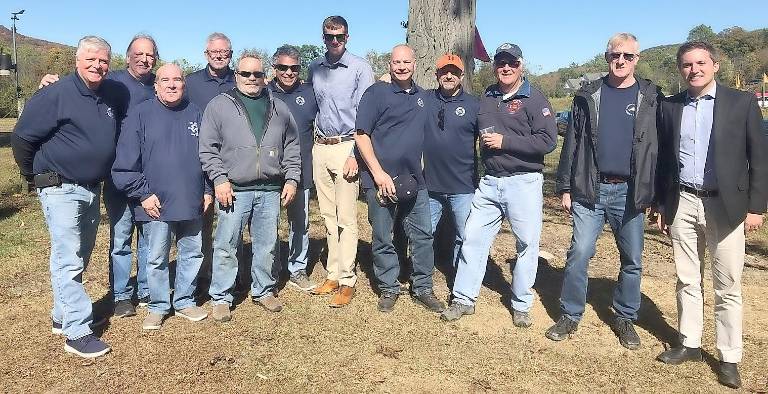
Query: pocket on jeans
63, 189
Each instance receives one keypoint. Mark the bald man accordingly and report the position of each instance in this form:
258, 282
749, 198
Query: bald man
158, 168
390, 136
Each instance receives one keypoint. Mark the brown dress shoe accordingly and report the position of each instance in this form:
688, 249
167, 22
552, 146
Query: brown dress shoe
343, 297
328, 287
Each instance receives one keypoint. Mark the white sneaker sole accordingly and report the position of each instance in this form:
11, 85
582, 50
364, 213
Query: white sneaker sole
72, 350
191, 318
151, 327
304, 289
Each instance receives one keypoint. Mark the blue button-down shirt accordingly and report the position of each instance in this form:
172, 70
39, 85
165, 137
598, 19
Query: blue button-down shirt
338, 89
697, 167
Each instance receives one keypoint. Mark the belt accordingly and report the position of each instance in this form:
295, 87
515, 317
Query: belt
333, 140
85, 185
697, 192
613, 179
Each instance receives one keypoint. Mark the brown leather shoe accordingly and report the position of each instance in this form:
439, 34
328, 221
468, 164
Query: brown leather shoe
343, 297
328, 287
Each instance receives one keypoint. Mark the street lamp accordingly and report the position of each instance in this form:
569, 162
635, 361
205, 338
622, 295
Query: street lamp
6, 65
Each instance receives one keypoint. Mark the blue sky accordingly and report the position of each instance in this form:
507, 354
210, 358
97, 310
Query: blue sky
551, 34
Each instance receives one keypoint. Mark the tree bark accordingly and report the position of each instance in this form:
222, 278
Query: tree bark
437, 27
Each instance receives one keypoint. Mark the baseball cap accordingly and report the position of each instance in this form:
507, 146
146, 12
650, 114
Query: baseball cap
510, 49
450, 59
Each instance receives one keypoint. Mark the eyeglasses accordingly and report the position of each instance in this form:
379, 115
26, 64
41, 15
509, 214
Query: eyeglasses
503, 62
222, 53
441, 119
284, 67
338, 37
627, 56
247, 74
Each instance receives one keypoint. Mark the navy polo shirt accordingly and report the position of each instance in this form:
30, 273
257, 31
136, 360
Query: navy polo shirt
137, 90
394, 119
157, 153
74, 128
449, 142
202, 87
303, 106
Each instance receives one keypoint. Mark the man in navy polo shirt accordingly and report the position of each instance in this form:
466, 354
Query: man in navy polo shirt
158, 167
300, 99
64, 142
450, 165
517, 128
138, 78
390, 137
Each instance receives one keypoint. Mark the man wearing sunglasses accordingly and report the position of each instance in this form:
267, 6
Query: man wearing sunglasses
250, 151
450, 164
300, 99
607, 173
339, 79
517, 128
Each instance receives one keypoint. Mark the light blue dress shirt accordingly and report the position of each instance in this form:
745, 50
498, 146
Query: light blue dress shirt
697, 158
338, 89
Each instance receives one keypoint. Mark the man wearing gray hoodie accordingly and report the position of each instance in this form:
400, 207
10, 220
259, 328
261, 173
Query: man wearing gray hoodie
249, 148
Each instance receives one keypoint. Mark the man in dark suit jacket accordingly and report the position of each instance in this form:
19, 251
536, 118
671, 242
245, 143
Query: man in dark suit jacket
713, 185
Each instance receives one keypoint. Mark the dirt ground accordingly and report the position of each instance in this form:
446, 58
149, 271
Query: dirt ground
310, 347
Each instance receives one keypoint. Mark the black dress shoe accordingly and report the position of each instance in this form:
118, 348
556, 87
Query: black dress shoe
728, 375
679, 355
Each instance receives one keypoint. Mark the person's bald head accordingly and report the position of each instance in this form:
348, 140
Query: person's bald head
169, 84
401, 65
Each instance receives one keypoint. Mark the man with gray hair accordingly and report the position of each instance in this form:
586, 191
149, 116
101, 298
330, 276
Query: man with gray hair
607, 172
64, 143
250, 150
217, 77
300, 99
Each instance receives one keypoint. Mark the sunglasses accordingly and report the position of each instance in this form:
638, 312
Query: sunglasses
338, 37
511, 63
284, 67
247, 74
627, 56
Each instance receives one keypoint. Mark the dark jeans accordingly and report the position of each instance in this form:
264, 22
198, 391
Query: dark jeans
627, 224
418, 228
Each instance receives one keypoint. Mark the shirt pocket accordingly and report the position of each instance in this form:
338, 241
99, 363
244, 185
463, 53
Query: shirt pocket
245, 166
270, 161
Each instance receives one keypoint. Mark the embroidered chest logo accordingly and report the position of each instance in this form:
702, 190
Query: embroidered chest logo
300, 100
420, 102
460, 111
514, 106
110, 113
194, 129
631, 109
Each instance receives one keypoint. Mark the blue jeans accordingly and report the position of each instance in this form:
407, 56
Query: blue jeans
298, 232
520, 199
189, 257
263, 207
121, 227
459, 206
616, 206
416, 223
72, 215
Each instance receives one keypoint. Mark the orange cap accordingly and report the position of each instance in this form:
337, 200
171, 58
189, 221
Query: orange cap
450, 59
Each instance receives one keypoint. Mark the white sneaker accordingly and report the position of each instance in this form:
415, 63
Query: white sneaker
153, 321
192, 313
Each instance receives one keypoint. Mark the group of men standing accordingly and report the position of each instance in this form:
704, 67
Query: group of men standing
172, 149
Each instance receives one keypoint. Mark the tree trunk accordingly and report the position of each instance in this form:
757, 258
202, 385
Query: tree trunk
436, 27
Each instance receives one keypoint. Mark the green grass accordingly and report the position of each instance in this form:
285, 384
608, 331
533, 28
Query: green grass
7, 124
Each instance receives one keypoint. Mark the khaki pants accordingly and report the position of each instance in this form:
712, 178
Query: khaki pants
337, 198
702, 223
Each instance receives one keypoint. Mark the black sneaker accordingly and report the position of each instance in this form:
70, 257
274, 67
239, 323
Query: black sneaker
124, 308
144, 301
387, 301
428, 300
625, 330
563, 329
88, 346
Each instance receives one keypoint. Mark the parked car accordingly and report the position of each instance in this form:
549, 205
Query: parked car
562, 121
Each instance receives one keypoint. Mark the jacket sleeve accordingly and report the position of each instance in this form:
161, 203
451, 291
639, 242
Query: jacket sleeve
127, 172
757, 156
563, 182
543, 137
291, 162
210, 145
37, 122
661, 156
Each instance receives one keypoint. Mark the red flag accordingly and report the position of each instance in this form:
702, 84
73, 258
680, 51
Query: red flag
480, 52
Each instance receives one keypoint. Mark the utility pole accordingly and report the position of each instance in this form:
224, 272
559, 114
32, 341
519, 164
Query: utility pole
19, 102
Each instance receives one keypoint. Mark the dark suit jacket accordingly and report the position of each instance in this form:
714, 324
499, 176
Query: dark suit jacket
740, 148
